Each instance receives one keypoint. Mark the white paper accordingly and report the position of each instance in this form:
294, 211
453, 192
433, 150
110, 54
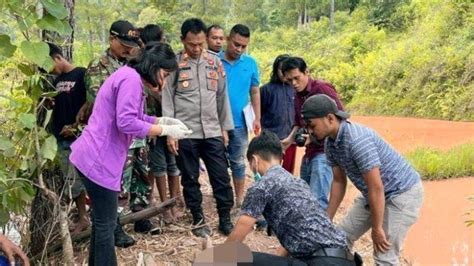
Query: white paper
249, 116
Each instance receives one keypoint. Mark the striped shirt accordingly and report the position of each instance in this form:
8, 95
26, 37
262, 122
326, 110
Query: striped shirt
358, 149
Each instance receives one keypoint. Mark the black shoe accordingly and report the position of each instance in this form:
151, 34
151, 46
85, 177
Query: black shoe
145, 227
122, 240
202, 229
225, 224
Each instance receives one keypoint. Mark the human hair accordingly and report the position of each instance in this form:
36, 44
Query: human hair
193, 25
267, 145
151, 58
240, 29
151, 33
55, 50
276, 64
213, 26
292, 63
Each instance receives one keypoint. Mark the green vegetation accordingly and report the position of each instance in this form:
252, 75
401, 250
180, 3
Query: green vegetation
434, 164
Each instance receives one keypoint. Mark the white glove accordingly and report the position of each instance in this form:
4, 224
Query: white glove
175, 131
168, 121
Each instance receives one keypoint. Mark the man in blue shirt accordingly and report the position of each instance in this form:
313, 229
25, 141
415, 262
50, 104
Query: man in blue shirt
242, 80
392, 192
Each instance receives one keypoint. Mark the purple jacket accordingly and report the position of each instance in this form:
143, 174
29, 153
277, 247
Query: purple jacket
118, 116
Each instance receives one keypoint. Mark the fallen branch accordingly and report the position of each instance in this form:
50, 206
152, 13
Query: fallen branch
129, 218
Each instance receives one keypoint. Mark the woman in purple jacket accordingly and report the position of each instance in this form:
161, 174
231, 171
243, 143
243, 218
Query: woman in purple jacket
118, 116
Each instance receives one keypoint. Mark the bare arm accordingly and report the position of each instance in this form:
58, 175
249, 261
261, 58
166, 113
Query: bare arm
338, 190
291, 137
255, 98
377, 205
242, 228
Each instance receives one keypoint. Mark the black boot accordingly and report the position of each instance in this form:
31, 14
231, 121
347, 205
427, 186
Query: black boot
121, 238
202, 230
145, 226
225, 223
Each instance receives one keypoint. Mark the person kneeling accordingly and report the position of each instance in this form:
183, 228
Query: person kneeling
302, 226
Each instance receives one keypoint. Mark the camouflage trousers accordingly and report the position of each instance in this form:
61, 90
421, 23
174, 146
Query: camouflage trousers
135, 178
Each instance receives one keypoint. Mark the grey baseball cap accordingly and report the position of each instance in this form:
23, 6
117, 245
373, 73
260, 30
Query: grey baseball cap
321, 105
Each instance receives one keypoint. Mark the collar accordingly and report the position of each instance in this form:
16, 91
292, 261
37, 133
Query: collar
222, 57
185, 57
340, 132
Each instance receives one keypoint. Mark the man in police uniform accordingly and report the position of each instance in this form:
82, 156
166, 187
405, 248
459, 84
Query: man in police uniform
123, 39
196, 94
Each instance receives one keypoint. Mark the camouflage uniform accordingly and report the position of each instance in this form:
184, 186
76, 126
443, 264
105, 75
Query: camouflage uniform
135, 174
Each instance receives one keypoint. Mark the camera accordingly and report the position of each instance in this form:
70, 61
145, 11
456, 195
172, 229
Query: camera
300, 138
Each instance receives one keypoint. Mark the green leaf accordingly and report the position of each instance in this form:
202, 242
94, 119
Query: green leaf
55, 8
6, 48
49, 148
38, 53
26, 69
49, 94
51, 23
47, 118
28, 120
4, 217
5, 144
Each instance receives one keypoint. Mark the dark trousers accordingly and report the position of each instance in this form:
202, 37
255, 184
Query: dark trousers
104, 203
212, 152
269, 259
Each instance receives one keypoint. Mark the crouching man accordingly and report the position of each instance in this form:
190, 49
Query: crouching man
392, 192
303, 228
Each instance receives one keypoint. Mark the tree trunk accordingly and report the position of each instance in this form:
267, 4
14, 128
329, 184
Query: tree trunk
331, 16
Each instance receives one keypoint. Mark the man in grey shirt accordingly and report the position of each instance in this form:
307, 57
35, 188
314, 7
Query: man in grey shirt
196, 94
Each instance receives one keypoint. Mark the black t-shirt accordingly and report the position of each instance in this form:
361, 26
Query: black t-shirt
71, 96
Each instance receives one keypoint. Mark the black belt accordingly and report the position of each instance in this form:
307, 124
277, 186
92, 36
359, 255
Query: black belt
334, 252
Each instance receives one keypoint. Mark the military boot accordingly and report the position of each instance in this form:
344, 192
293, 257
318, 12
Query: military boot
121, 238
201, 229
225, 223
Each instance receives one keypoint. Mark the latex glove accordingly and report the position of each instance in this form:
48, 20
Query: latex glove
168, 121
175, 131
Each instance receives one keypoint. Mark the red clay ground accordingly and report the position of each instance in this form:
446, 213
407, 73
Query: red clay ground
440, 237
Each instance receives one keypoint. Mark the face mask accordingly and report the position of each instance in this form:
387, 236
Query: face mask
256, 174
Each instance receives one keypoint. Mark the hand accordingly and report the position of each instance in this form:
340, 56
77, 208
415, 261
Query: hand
168, 121
256, 127
282, 252
380, 241
11, 251
172, 145
285, 143
175, 131
67, 131
84, 113
225, 137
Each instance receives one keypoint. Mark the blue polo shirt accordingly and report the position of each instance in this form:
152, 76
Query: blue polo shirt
242, 74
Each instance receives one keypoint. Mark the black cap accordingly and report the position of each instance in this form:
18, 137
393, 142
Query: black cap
321, 105
125, 32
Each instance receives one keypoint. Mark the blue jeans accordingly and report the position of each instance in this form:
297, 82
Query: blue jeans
318, 174
238, 142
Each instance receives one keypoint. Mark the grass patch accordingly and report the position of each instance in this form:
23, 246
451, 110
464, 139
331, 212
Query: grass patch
434, 164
